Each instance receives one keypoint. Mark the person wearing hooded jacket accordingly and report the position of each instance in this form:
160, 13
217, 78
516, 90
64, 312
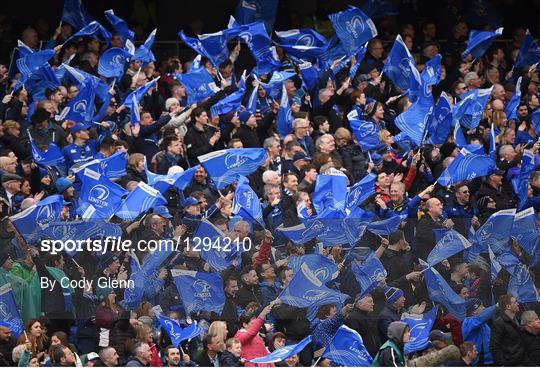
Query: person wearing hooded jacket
391, 353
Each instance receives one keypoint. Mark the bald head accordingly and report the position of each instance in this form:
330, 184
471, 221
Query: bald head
8, 164
434, 207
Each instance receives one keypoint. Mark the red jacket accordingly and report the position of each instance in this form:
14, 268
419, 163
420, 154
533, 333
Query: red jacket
455, 327
156, 359
252, 344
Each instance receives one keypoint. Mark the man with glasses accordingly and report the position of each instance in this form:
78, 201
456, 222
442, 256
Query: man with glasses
462, 210
301, 132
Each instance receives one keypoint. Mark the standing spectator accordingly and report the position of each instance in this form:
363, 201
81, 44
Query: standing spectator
506, 343
391, 353
476, 329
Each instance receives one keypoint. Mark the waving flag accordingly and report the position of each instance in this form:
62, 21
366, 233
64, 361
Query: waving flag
199, 85
399, 65
215, 44
469, 110
140, 200
132, 100
511, 107
451, 243
347, 349
120, 26
92, 29
216, 257
306, 289
163, 182
369, 273
304, 52
359, 57
246, 204
32, 62
467, 166
361, 191
525, 232
379, 8
365, 132
440, 292
529, 52
30, 221
75, 14
322, 267
283, 353
330, 192
101, 88
386, 226
230, 103
81, 108
52, 157
113, 167
225, 166
255, 36
439, 122
521, 183
355, 224
9, 313
144, 52
495, 232
38, 81
249, 11
353, 28
176, 333
479, 42
275, 85
302, 37
284, 119
522, 286
419, 329
197, 46
200, 291
112, 62
99, 197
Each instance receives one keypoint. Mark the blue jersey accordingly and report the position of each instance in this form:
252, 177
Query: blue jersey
78, 154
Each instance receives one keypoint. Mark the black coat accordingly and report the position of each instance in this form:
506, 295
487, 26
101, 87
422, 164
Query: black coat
425, 237
227, 359
248, 294
354, 161
132, 175
531, 344
505, 344
366, 325
387, 316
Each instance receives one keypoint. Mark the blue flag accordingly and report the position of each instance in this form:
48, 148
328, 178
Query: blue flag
521, 285
330, 192
140, 200
379, 8
419, 329
274, 87
469, 110
41, 79
467, 166
101, 88
479, 42
353, 28
249, 11
99, 197
305, 289
120, 26
521, 183
355, 224
163, 182
92, 29
113, 167
495, 232
52, 157
399, 65
132, 100
32, 62
246, 204
529, 52
112, 62
369, 273
175, 331
215, 44
359, 57
199, 85
492, 145
439, 122
525, 232
144, 52
197, 46
220, 255
225, 166
302, 37
30, 221
200, 291
304, 52
361, 191
230, 103
9, 313
81, 108
321, 266
347, 349
386, 226
511, 107
255, 36
440, 292
75, 14
451, 243
365, 132
284, 119
283, 353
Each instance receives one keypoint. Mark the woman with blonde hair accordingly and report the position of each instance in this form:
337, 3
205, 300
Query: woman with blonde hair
144, 334
219, 328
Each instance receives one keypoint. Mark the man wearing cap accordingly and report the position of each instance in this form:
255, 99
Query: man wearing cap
193, 215
506, 336
300, 160
11, 185
82, 149
493, 186
248, 132
395, 301
44, 132
439, 339
475, 329
362, 320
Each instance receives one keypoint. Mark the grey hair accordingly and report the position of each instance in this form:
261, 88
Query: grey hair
528, 316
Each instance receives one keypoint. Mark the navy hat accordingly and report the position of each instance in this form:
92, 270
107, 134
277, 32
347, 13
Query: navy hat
62, 184
4, 255
498, 172
383, 148
108, 260
392, 294
301, 156
474, 304
10, 177
244, 116
78, 127
376, 158
190, 201
438, 335
162, 211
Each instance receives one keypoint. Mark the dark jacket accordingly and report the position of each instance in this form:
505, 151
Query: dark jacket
354, 161
425, 237
227, 359
54, 133
366, 325
132, 175
134, 362
147, 142
387, 316
505, 344
202, 359
229, 314
291, 321
503, 198
531, 345
248, 294
198, 143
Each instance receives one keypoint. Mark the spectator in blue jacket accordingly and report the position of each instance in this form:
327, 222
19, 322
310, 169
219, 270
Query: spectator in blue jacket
475, 329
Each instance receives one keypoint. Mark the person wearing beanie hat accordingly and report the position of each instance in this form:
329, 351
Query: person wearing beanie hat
62, 185
248, 130
392, 353
44, 132
178, 118
364, 321
475, 329
395, 301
